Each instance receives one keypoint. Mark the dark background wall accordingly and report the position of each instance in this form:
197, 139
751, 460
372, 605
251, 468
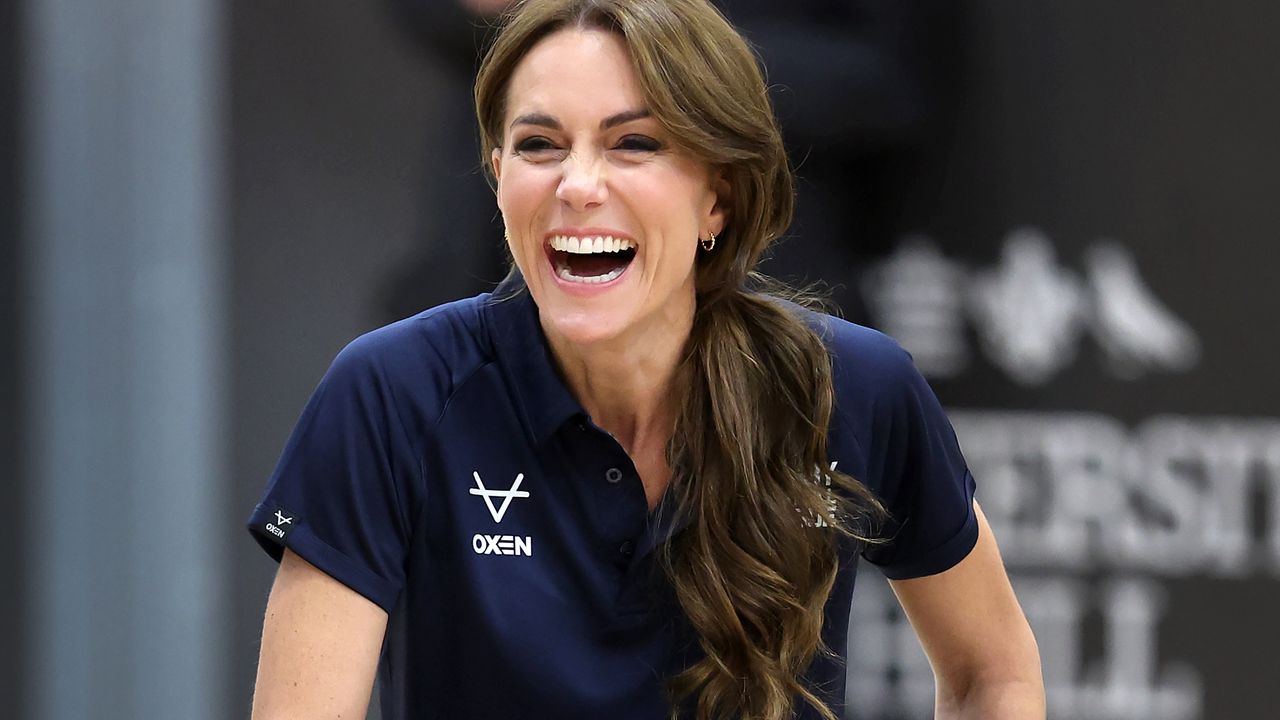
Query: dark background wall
331, 129
1147, 123
11, 677
1147, 128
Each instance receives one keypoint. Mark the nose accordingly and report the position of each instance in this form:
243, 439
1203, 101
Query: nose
583, 184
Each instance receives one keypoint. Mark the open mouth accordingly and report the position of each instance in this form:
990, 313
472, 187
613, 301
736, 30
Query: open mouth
590, 260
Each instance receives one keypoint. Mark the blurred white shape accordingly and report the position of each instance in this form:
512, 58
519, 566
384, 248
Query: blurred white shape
1272, 464
917, 297
1125, 685
889, 675
1173, 497
1055, 608
1028, 311
1134, 329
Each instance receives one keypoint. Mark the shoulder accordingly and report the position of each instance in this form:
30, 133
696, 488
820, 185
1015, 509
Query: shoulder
865, 363
418, 360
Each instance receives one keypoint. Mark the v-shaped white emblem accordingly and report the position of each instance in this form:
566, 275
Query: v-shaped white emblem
506, 495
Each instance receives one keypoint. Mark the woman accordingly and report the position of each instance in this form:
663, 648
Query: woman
627, 485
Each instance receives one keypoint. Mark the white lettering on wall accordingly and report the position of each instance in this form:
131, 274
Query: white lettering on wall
1079, 491
1091, 515
890, 675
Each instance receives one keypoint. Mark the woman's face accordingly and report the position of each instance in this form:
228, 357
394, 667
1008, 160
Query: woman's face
603, 213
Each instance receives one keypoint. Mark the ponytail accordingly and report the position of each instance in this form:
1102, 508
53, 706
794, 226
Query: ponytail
754, 568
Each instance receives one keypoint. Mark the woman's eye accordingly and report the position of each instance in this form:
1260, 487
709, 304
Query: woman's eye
639, 143
536, 145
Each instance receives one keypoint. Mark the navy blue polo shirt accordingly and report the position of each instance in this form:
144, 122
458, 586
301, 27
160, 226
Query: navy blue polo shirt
443, 470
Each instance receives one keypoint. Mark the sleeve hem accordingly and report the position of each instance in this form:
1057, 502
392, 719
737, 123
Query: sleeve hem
945, 556
324, 557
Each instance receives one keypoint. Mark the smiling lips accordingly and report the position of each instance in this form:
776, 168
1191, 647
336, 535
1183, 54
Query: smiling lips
593, 259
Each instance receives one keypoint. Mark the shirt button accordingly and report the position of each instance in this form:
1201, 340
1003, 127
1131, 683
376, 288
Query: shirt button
613, 475
627, 548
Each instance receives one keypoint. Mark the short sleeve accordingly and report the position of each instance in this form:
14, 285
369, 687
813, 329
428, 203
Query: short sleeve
920, 474
341, 495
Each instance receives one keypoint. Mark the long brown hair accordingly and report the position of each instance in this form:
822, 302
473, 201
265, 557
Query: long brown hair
752, 572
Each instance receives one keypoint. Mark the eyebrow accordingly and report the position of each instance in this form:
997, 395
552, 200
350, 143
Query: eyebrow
547, 121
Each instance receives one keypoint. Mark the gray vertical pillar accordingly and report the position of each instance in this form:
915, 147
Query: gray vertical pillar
125, 334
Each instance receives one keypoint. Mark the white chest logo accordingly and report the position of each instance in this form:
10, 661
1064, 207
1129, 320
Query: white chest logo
484, 544
506, 495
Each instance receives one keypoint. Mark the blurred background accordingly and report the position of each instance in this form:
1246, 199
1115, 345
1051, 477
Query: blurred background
1066, 211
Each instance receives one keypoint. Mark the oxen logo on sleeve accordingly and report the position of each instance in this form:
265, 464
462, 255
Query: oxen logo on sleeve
283, 523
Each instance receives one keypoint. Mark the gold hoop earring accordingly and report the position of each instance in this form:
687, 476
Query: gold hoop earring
708, 245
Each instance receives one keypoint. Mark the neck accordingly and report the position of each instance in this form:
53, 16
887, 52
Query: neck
626, 384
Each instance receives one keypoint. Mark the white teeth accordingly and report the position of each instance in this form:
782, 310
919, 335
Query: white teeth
588, 245
592, 279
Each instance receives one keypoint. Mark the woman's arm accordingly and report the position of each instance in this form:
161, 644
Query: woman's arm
983, 654
320, 647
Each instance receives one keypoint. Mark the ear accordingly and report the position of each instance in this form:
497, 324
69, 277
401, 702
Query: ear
495, 159
718, 217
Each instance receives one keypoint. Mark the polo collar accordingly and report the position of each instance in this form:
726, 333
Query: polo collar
523, 354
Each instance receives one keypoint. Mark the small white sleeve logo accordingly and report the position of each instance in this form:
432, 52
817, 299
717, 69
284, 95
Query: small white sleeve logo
277, 528
484, 544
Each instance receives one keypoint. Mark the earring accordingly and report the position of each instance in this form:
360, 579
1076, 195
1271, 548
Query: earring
708, 245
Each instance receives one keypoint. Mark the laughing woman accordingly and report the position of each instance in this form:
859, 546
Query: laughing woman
629, 483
